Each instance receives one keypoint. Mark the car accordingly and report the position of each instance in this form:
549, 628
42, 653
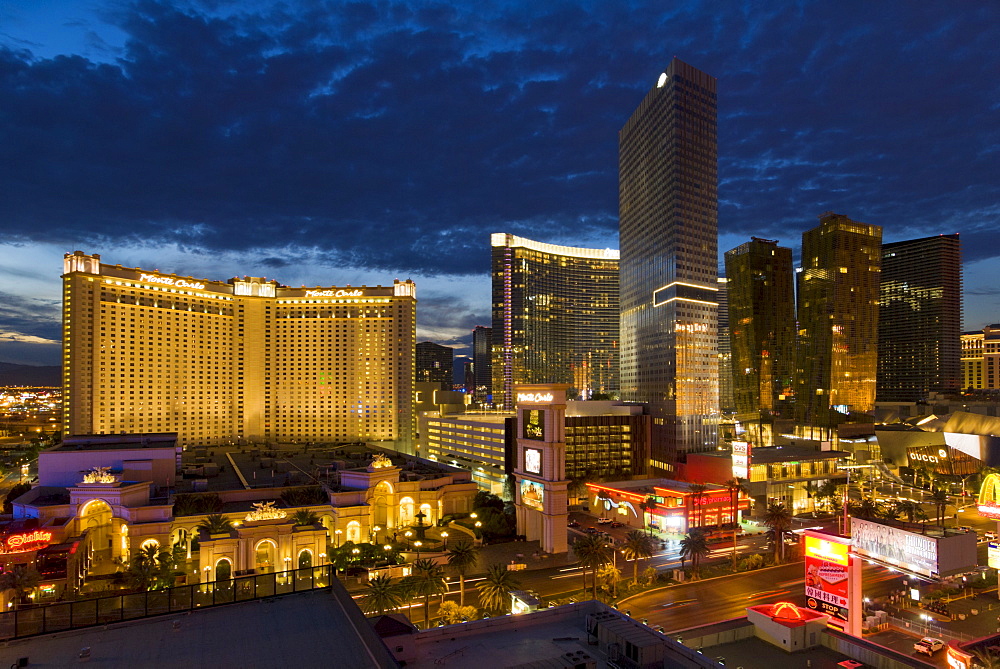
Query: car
928, 645
615, 523
590, 530
572, 523
990, 535
964, 528
604, 521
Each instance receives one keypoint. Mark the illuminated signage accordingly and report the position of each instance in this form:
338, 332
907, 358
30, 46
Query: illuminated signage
909, 550
958, 659
334, 293
623, 507
536, 398
264, 511
534, 424
702, 501
170, 281
741, 459
827, 579
940, 456
993, 555
27, 541
533, 461
989, 497
532, 494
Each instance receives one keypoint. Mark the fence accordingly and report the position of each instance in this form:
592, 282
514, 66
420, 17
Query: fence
928, 629
108, 609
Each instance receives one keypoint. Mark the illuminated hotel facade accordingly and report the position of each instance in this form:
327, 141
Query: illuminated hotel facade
555, 317
668, 230
246, 359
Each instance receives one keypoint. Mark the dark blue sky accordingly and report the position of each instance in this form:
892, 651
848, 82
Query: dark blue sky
333, 143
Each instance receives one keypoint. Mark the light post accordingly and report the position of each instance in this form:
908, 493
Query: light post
444, 535
408, 534
338, 533
418, 544
374, 537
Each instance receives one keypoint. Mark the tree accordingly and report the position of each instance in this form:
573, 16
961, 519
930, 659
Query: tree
637, 546
304, 517
216, 523
21, 579
778, 519
939, 498
610, 575
462, 557
694, 546
592, 552
735, 488
381, 595
913, 511
494, 590
426, 579
826, 491
149, 569
647, 505
452, 613
16, 491
697, 491
866, 508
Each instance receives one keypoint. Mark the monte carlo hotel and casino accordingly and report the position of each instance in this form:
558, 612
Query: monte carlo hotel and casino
246, 359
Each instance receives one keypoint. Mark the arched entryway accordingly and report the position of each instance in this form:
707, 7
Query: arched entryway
223, 570
305, 559
95, 520
406, 512
354, 531
265, 554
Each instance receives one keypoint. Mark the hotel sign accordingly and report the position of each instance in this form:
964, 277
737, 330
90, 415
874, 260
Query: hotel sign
535, 398
170, 281
334, 293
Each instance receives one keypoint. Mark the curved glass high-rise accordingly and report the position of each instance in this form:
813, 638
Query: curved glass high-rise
555, 317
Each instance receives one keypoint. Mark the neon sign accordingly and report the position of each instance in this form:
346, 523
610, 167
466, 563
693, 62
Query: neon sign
27, 541
168, 281
534, 397
333, 293
989, 497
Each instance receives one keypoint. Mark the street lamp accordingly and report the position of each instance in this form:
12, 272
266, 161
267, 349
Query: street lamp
444, 535
418, 544
338, 533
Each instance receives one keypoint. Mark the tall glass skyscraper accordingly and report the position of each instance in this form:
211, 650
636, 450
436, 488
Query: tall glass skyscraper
762, 333
668, 228
555, 317
838, 321
920, 319
482, 365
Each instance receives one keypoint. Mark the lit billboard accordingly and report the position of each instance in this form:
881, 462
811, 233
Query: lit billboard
741, 459
532, 494
827, 562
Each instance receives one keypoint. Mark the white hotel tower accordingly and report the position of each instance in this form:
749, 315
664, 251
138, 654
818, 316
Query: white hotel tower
243, 359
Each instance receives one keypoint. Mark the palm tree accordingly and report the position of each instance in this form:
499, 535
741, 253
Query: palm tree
426, 579
697, 490
20, 579
637, 546
216, 523
610, 575
735, 488
694, 546
986, 660
866, 508
382, 595
940, 500
647, 505
778, 519
912, 510
462, 557
495, 588
826, 492
592, 552
304, 517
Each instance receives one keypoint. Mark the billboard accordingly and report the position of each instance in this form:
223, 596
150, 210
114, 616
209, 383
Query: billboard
741, 459
827, 563
913, 552
532, 494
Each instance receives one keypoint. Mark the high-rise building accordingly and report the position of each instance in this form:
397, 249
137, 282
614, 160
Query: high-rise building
668, 229
555, 317
920, 319
981, 359
220, 361
762, 331
838, 293
482, 366
434, 364
727, 401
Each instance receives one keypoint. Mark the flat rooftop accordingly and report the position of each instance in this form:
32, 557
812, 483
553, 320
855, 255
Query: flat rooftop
312, 629
775, 454
648, 485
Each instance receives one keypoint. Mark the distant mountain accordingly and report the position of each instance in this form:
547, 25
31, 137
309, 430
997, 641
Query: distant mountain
28, 375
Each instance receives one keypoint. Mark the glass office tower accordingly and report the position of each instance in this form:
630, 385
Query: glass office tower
668, 229
762, 333
838, 322
920, 319
555, 317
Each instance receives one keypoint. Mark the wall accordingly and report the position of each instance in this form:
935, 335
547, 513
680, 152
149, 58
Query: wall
64, 468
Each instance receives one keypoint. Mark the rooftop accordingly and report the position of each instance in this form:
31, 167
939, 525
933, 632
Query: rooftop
775, 454
648, 486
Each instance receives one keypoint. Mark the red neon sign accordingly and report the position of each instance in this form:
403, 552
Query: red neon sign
27, 541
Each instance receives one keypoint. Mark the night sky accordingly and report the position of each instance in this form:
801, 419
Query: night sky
339, 143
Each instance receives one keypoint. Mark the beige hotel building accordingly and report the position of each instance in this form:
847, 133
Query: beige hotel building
244, 359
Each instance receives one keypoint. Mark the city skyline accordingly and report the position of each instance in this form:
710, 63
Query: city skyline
216, 140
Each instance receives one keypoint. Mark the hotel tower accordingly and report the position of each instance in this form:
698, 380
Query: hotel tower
668, 229
247, 358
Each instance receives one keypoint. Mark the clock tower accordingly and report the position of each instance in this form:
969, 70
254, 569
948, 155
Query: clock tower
540, 469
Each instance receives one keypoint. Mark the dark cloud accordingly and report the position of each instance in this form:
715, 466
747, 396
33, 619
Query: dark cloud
31, 319
397, 135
